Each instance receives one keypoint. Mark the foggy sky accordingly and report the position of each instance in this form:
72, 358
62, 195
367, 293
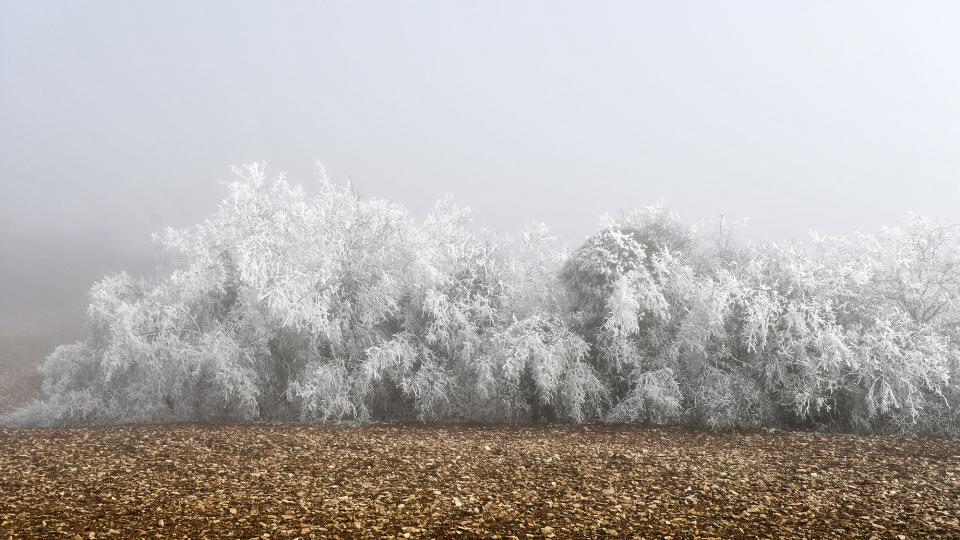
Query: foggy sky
118, 118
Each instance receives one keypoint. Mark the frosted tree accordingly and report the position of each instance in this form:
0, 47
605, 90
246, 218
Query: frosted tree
836, 352
328, 307
626, 283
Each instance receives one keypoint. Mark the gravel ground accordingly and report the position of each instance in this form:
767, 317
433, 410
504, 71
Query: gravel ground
269, 481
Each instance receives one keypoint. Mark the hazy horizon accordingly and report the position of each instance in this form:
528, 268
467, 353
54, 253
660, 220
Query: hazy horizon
117, 120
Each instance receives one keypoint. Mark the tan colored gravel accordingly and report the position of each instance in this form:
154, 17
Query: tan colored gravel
267, 481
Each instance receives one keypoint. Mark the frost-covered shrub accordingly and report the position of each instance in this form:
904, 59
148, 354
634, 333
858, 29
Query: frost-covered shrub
544, 363
651, 396
629, 286
328, 307
841, 333
833, 348
730, 400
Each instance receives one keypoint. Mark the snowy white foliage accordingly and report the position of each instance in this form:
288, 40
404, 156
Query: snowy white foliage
329, 307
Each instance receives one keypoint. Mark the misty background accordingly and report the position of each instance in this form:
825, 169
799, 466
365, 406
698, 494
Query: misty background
117, 119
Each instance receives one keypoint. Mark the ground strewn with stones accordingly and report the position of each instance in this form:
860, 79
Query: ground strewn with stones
269, 481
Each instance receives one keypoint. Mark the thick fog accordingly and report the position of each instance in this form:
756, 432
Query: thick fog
117, 118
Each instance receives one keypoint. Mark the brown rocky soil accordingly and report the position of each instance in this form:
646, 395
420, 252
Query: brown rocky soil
268, 481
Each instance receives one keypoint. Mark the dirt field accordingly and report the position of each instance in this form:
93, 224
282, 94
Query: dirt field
267, 481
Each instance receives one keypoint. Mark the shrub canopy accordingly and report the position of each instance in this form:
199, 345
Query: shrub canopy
331, 307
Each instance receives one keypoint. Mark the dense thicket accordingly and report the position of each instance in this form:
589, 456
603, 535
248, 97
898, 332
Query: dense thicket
331, 307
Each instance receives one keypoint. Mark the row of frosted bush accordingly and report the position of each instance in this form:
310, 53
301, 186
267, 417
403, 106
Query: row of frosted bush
334, 308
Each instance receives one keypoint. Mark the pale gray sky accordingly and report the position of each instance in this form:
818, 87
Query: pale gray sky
117, 118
